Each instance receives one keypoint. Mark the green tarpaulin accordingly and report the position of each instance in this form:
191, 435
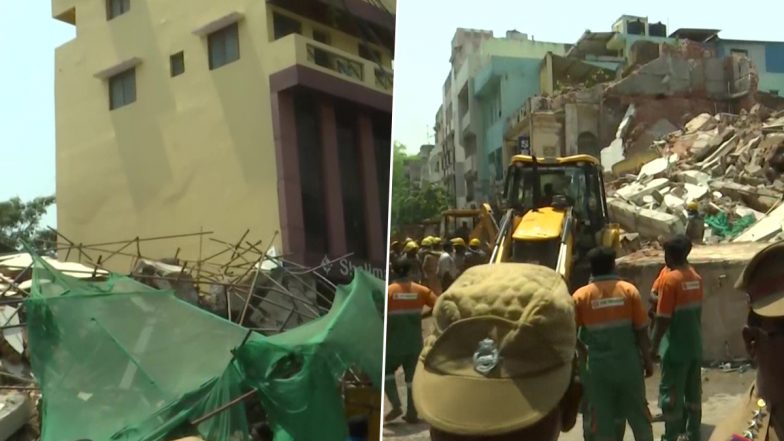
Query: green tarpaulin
118, 360
721, 226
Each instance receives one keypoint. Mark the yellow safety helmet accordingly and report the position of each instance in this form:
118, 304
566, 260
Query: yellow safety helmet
475, 242
692, 205
410, 246
458, 242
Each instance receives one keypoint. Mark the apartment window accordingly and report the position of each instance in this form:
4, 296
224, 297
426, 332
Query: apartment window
321, 57
369, 53
284, 25
311, 173
743, 52
321, 36
224, 46
122, 89
177, 64
116, 8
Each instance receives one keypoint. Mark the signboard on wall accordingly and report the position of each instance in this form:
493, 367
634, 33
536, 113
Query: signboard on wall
524, 145
344, 268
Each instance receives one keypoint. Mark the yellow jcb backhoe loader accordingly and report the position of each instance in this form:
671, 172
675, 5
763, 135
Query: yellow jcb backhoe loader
555, 212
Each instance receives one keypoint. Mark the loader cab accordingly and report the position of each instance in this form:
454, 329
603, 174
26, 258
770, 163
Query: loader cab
575, 181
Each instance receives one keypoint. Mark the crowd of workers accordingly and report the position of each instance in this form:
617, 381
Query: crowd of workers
514, 356
435, 262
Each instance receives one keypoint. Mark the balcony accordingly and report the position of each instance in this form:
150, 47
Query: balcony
465, 125
296, 49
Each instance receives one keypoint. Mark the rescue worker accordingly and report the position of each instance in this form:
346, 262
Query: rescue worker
395, 249
430, 267
695, 223
615, 351
459, 254
760, 414
405, 300
475, 255
410, 254
463, 232
678, 341
447, 270
424, 246
466, 390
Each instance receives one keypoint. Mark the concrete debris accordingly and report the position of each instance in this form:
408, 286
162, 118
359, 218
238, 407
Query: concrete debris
702, 122
730, 164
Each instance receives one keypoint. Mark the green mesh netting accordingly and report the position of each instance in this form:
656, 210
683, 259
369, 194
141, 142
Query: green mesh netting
118, 360
721, 226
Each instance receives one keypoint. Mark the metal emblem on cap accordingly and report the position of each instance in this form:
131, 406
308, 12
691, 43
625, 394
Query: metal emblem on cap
486, 356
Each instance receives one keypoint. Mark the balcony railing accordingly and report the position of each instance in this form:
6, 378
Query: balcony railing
296, 49
333, 61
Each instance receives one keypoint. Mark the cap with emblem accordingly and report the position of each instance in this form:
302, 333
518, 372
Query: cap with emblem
500, 356
762, 281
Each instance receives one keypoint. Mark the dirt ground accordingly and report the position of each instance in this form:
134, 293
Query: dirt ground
721, 390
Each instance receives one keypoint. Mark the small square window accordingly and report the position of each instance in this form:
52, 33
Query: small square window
224, 46
122, 89
284, 25
321, 36
177, 62
116, 8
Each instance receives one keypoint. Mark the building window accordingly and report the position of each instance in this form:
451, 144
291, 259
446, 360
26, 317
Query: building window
321, 36
122, 89
311, 174
224, 46
116, 8
369, 53
743, 52
352, 186
177, 62
284, 25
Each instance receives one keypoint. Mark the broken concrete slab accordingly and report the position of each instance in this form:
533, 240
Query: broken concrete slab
716, 145
742, 211
695, 177
650, 224
765, 228
657, 167
701, 122
696, 192
612, 154
673, 202
760, 199
636, 190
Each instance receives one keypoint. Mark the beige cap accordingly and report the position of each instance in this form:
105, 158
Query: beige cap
762, 280
500, 356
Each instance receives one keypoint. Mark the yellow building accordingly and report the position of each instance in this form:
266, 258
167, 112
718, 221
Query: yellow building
201, 115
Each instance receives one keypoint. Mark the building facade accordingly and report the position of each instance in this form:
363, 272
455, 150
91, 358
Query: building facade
269, 116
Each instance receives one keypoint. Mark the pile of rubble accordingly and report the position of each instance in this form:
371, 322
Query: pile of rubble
731, 165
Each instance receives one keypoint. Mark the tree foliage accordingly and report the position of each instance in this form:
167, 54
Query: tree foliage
20, 222
413, 203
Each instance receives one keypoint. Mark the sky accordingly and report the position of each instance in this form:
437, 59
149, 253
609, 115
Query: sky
28, 37
425, 29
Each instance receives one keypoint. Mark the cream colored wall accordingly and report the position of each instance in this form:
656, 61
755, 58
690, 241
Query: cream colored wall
504, 47
193, 152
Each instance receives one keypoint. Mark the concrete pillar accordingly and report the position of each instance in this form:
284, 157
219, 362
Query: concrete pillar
571, 129
333, 193
284, 128
367, 153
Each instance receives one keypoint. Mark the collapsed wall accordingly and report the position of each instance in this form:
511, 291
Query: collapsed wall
724, 308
